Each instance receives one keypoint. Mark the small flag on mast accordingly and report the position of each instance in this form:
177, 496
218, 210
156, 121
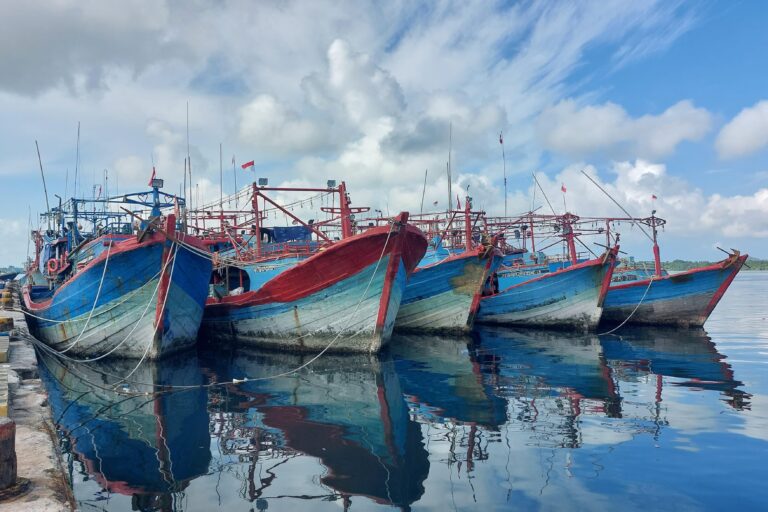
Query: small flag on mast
501, 139
562, 187
653, 196
246, 165
151, 179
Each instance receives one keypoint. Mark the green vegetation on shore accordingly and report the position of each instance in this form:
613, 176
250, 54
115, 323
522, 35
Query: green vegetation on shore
678, 265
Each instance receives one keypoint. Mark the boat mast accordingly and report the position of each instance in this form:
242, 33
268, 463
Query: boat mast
656, 255
346, 212
256, 218
467, 223
45, 188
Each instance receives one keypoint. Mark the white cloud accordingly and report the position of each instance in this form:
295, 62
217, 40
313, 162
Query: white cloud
688, 210
363, 91
268, 126
578, 131
746, 133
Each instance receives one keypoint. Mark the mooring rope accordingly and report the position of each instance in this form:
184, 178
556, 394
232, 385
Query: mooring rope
135, 326
650, 282
95, 300
172, 388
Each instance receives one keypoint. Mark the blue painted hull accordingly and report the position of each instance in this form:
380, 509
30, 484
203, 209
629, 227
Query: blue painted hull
131, 314
570, 297
443, 296
684, 299
346, 312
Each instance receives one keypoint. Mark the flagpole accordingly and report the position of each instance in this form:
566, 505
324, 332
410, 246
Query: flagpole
504, 160
562, 188
234, 175
423, 191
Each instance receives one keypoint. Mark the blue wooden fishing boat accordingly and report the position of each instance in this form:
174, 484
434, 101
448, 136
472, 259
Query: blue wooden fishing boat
443, 293
682, 299
341, 296
122, 289
560, 296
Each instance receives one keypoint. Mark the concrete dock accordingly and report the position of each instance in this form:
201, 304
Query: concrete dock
24, 400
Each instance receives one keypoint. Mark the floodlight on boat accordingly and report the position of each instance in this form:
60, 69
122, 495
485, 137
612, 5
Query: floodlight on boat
263, 182
331, 183
157, 183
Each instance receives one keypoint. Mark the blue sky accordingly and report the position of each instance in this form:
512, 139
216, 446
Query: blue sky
666, 98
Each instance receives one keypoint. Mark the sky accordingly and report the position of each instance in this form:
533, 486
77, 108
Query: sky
650, 98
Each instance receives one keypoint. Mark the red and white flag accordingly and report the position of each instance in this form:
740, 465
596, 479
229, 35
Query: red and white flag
153, 176
246, 165
562, 187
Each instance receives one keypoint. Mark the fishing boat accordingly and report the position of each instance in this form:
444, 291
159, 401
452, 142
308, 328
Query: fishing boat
571, 296
128, 287
315, 293
443, 293
682, 299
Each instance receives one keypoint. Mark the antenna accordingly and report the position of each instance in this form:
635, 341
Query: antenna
504, 160
423, 190
221, 180
45, 188
448, 165
77, 158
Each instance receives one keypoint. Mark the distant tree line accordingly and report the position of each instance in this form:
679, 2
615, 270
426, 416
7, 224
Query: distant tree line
678, 265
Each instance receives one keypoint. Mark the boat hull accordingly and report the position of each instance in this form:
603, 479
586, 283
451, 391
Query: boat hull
444, 297
343, 299
150, 303
685, 299
571, 297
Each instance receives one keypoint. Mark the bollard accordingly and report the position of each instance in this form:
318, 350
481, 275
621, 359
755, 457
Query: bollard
6, 324
7, 453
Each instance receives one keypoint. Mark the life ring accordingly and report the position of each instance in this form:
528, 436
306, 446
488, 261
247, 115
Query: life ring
53, 266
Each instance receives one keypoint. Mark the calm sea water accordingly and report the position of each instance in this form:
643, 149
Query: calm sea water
654, 419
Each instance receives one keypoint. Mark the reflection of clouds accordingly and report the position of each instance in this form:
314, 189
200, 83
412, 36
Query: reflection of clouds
755, 421
597, 431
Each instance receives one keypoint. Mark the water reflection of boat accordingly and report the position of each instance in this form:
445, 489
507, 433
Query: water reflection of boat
688, 355
442, 378
133, 444
553, 362
346, 411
